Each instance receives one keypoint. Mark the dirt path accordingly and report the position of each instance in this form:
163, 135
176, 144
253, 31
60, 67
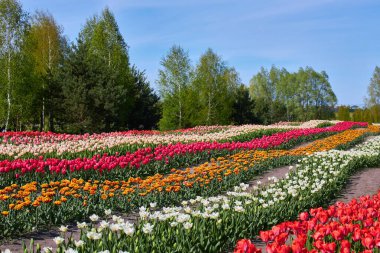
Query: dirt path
364, 182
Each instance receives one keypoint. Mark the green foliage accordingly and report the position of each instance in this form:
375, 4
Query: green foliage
206, 96
343, 113
86, 87
146, 111
13, 25
174, 82
324, 124
216, 85
374, 89
45, 44
283, 96
242, 107
370, 115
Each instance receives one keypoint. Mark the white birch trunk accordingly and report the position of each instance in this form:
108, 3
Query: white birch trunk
180, 106
9, 102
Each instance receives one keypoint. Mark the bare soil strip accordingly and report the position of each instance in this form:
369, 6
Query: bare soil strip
364, 182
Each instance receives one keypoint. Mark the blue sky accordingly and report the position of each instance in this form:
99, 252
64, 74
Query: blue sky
339, 36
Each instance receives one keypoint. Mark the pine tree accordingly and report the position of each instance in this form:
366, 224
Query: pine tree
146, 110
242, 107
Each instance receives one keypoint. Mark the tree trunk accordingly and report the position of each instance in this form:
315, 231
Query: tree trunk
210, 97
109, 59
42, 128
8, 91
51, 121
180, 106
209, 108
287, 110
42, 123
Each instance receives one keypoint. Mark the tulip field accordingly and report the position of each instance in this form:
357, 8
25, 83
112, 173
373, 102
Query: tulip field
190, 190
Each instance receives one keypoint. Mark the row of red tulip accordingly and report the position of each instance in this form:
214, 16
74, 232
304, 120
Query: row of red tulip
344, 228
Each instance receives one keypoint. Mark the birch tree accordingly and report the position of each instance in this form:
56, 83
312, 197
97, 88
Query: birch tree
174, 80
374, 89
47, 52
217, 85
13, 22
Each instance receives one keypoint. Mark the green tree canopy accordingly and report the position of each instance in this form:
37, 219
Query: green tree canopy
13, 24
303, 95
373, 90
175, 77
46, 46
216, 85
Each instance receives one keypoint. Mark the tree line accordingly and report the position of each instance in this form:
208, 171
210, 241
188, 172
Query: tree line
371, 112
50, 84
47, 83
212, 93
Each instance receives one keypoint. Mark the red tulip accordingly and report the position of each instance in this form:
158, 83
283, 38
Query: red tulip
356, 235
337, 235
284, 249
264, 235
368, 222
281, 238
277, 230
318, 244
297, 247
318, 235
304, 216
246, 246
311, 223
322, 217
271, 247
368, 242
329, 247
345, 246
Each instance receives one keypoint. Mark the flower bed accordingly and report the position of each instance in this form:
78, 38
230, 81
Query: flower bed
352, 227
65, 200
88, 145
210, 224
148, 161
33, 144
